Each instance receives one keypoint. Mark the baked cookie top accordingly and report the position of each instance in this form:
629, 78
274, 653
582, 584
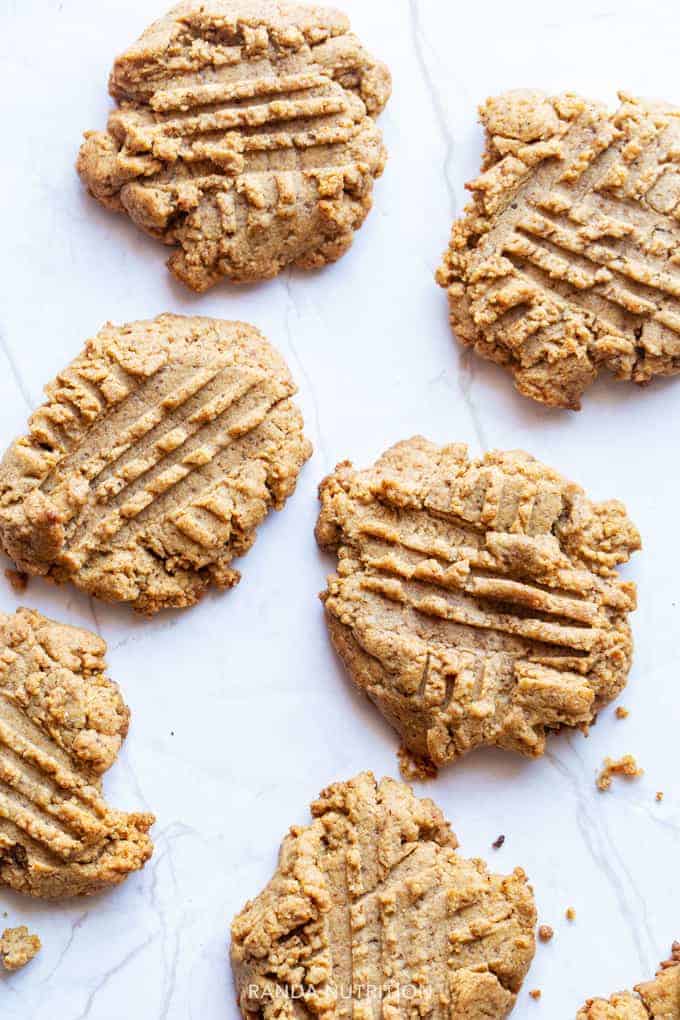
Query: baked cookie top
371, 912
160, 450
62, 723
244, 137
476, 601
654, 1000
567, 260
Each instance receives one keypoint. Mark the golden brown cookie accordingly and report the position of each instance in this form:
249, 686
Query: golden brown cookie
62, 723
161, 449
244, 137
18, 947
371, 912
476, 602
567, 260
655, 1000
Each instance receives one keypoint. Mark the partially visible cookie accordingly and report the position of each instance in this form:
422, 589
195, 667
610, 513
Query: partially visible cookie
371, 912
567, 260
654, 1000
244, 137
18, 947
161, 449
476, 601
62, 724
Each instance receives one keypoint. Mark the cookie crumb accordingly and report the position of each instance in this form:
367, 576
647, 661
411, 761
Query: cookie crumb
622, 713
18, 580
545, 933
624, 766
659, 796
535, 993
570, 914
413, 766
18, 947
498, 843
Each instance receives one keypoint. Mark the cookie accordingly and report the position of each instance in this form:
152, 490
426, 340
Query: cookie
371, 912
244, 137
62, 724
18, 947
160, 450
655, 1000
476, 601
567, 260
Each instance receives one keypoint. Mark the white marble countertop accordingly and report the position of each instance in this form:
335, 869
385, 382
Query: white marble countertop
241, 712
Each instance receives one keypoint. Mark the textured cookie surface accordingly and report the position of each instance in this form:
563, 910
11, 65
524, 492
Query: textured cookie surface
568, 259
654, 1000
18, 947
244, 136
476, 602
371, 912
160, 450
62, 723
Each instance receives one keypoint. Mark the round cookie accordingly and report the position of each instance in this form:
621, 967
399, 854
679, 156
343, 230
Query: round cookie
371, 912
244, 137
566, 261
476, 602
161, 449
62, 724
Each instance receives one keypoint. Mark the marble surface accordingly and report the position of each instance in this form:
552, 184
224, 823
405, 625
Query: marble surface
241, 712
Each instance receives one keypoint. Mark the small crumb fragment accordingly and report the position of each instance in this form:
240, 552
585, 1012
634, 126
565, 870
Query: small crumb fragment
18, 580
570, 914
535, 993
545, 933
498, 843
18, 947
659, 795
414, 767
622, 713
625, 766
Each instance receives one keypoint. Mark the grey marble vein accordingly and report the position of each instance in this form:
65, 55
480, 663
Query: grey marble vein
169, 931
292, 308
441, 117
75, 927
86, 1013
93, 612
465, 367
16, 373
466, 376
609, 862
140, 799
